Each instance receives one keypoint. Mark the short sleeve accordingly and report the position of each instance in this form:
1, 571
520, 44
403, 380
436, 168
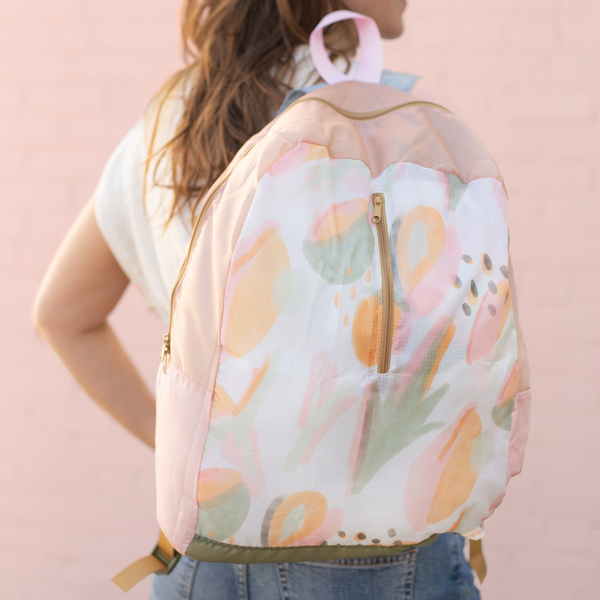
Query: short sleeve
116, 200
133, 226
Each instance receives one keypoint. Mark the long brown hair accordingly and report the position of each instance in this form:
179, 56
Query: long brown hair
240, 56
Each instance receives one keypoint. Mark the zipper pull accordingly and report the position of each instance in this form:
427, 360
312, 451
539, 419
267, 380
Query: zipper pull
377, 202
166, 350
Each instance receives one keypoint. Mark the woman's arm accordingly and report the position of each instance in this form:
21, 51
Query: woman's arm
80, 289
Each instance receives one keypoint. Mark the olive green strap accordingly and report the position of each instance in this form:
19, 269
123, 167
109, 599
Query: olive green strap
164, 557
161, 560
477, 560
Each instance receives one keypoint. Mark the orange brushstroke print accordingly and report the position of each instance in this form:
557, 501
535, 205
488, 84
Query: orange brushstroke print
435, 238
366, 329
257, 376
222, 403
489, 322
316, 153
444, 344
458, 479
251, 312
300, 519
442, 478
215, 484
337, 219
314, 508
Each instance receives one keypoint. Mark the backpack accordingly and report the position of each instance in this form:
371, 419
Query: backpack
344, 374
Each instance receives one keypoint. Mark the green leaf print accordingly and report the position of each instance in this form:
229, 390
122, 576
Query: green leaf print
392, 423
502, 415
343, 258
456, 191
325, 401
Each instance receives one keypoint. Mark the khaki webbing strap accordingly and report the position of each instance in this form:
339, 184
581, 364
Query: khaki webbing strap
164, 547
477, 560
135, 572
162, 558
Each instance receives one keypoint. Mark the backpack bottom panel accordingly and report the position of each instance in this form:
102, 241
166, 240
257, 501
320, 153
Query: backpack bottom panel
208, 550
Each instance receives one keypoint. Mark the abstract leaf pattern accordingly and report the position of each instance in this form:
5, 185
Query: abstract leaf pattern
232, 431
323, 405
390, 423
340, 245
251, 312
223, 502
366, 329
301, 517
442, 478
502, 411
307, 443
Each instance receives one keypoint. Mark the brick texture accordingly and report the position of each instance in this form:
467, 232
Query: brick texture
77, 492
524, 75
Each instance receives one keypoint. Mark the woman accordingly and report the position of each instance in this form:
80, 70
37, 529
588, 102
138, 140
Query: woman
244, 56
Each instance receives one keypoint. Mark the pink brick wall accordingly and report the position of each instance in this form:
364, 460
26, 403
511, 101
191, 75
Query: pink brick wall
524, 74
76, 491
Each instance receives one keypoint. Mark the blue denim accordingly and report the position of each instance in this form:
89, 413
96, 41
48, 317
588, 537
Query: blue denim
435, 572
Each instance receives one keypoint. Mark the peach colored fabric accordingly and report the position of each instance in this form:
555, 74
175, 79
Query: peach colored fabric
194, 345
395, 137
182, 415
399, 145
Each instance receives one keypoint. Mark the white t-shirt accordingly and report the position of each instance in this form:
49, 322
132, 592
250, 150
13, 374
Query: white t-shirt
150, 254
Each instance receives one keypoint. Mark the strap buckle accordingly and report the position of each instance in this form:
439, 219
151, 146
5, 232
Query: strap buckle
161, 560
165, 559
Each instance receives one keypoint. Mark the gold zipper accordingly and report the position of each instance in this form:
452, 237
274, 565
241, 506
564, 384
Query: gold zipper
387, 284
166, 349
385, 352
374, 114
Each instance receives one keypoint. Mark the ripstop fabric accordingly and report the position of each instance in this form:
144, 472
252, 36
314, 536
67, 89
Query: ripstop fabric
275, 428
345, 373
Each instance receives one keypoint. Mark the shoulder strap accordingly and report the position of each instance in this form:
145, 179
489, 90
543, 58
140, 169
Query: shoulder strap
400, 81
477, 560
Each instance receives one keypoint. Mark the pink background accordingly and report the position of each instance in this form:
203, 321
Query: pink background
77, 491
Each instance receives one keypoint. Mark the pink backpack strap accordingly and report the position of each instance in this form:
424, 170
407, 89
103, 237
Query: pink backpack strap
371, 61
